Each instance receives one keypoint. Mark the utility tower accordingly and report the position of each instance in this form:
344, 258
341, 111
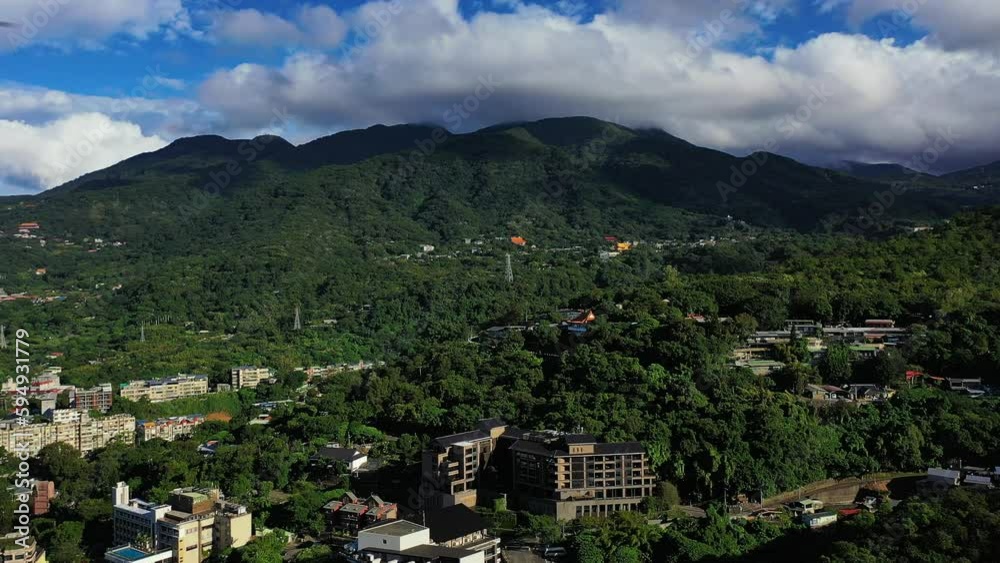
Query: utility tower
298, 320
510, 271
3, 337
142, 332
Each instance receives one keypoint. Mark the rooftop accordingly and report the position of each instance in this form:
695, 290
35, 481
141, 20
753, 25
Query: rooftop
454, 522
394, 528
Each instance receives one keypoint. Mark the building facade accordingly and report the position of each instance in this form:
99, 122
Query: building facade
168, 389
545, 472
97, 398
248, 376
84, 433
573, 475
451, 467
192, 524
15, 548
168, 429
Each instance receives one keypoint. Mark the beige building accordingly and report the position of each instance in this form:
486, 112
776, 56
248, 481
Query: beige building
15, 548
79, 430
168, 429
159, 390
451, 466
545, 472
248, 376
192, 524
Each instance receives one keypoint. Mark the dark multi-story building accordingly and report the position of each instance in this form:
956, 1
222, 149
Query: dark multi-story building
572, 475
546, 472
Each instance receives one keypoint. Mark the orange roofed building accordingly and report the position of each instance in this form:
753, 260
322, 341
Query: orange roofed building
519, 241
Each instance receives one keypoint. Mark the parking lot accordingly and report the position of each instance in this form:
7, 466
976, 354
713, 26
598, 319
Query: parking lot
522, 557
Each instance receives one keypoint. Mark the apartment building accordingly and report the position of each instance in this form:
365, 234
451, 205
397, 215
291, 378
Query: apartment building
97, 398
79, 430
249, 376
572, 475
193, 523
167, 389
545, 472
168, 429
451, 467
15, 548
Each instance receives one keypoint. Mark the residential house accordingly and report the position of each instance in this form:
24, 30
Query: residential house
868, 392
949, 476
970, 386
351, 514
819, 519
824, 392
333, 453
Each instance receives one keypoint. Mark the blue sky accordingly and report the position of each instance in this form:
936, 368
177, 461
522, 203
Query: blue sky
722, 73
121, 60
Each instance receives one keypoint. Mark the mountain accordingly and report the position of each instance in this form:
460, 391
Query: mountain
884, 172
556, 179
983, 177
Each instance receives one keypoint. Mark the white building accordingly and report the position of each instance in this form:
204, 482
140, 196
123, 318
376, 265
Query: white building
402, 540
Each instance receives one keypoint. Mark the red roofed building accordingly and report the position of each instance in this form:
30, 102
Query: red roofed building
585, 317
519, 241
352, 514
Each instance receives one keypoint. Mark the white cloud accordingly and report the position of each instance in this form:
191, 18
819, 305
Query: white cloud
47, 155
88, 23
315, 26
954, 24
170, 117
886, 102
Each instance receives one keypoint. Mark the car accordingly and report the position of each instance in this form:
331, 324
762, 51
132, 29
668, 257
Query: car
553, 552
